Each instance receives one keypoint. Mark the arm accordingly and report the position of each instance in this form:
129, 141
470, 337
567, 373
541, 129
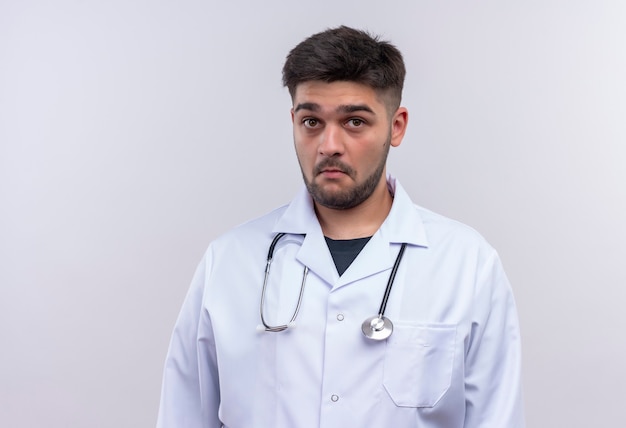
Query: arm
493, 358
190, 391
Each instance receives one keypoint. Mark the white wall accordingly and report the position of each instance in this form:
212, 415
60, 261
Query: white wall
133, 132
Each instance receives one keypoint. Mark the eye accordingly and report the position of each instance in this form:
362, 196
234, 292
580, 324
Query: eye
310, 122
355, 122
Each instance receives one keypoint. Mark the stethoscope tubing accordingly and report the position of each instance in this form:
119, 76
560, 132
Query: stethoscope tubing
376, 327
392, 277
270, 256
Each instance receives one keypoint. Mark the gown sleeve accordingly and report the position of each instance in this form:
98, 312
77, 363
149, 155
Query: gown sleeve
493, 358
190, 391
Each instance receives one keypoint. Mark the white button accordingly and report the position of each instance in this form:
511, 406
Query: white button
334, 397
340, 317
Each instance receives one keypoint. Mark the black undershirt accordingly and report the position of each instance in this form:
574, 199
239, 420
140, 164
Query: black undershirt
344, 251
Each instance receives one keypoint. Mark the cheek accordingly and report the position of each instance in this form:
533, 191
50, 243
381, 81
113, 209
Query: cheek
373, 149
370, 159
303, 152
304, 145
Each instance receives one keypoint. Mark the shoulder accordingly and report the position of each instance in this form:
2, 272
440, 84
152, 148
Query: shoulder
459, 248
251, 231
443, 227
425, 226
452, 237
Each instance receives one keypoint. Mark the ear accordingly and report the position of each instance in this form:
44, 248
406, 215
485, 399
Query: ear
292, 115
399, 122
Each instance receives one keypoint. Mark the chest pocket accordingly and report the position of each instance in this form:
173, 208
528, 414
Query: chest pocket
418, 364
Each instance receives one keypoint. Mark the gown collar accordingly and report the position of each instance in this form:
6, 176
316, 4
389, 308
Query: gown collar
403, 224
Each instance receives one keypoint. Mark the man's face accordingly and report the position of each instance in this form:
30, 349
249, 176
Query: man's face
342, 133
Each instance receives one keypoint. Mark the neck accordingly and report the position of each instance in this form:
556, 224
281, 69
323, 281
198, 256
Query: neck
358, 222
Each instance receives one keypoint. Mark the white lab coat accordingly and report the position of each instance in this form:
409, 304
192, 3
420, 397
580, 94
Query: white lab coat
452, 361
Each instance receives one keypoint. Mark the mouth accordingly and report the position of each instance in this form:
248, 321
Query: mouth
331, 173
331, 166
331, 170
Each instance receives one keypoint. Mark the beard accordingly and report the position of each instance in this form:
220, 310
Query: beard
347, 198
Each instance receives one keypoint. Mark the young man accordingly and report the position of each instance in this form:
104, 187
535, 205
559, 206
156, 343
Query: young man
375, 312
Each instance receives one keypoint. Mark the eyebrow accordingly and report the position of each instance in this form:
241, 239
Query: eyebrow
344, 108
353, 108
307, 106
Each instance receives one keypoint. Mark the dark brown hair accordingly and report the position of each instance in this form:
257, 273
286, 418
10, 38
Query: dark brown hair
346, 54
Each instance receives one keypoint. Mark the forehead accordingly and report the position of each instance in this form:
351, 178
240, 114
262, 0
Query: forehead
331, 95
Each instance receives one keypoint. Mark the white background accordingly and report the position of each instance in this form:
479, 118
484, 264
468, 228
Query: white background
133, 132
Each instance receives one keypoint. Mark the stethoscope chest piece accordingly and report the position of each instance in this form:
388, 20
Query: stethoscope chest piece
377, 327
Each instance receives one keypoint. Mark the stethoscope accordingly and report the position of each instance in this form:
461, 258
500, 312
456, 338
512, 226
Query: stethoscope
376, 327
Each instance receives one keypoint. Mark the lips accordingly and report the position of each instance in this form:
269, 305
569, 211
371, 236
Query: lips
332, 168
332, 173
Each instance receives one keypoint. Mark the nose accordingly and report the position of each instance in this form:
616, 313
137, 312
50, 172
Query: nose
331, 142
